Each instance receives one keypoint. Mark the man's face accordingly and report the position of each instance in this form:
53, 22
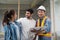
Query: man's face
41, 13
28, 14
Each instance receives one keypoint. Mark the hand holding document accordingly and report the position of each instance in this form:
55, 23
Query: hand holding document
36, 29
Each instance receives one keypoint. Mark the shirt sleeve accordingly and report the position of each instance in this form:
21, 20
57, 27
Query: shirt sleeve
47, 26
19, 20
7, 33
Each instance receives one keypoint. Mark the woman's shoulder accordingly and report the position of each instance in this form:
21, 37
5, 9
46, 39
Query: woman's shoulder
17, 23
5, 27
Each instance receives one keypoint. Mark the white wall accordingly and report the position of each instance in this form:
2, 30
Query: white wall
57, 16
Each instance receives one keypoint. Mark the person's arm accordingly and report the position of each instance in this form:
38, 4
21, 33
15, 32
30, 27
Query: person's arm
47, 27
7, 33
19, 21
20, 28
35, 31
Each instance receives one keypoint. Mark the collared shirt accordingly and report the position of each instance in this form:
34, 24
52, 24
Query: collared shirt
27, 24
47, 25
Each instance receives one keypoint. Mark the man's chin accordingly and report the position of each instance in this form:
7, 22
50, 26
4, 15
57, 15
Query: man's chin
40, 16
28, 17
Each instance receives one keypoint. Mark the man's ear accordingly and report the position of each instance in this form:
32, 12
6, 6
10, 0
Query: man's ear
11, 16
32, 14
45, 11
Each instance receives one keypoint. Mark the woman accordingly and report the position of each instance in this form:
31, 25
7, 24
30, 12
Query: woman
11, 27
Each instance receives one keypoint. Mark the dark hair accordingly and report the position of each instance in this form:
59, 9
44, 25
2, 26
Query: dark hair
7, 16
30, 10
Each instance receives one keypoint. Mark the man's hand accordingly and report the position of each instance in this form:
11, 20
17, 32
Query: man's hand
41, 32
33, 30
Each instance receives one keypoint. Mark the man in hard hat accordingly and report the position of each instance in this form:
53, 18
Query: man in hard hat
44, 22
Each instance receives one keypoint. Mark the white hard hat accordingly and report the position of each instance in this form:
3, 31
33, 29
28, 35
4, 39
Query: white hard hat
42, 8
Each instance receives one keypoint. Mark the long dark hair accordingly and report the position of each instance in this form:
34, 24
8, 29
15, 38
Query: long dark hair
7, 16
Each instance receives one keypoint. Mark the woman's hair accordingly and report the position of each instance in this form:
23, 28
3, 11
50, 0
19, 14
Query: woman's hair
8, 16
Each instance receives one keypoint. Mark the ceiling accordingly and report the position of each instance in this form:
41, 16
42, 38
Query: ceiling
16, 1
24, 4
8, 1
